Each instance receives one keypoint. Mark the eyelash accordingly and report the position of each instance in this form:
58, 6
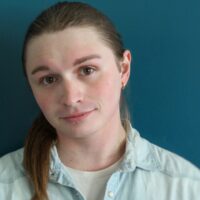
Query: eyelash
43, 79
82, 72
86, 73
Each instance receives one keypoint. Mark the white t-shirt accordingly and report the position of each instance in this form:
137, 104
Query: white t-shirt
92, 184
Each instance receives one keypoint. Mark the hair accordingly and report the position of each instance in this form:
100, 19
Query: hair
42, 135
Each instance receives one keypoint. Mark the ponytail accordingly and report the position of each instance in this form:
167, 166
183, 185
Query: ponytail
37, 156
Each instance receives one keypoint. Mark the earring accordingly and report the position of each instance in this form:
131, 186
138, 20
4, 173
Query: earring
123, 85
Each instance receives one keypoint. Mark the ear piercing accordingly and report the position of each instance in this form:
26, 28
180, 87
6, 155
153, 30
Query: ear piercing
123, 85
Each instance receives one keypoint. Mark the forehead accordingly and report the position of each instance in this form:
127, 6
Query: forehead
74, 41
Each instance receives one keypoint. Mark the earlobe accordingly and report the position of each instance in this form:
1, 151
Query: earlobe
125, 68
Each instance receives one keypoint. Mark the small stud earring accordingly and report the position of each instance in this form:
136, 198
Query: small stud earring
123, 85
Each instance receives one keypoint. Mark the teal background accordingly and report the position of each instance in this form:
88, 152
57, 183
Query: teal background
163, 93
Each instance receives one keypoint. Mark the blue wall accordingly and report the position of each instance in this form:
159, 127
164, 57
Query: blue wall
163, 93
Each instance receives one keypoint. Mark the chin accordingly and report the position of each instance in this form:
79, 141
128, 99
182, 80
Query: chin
76, 130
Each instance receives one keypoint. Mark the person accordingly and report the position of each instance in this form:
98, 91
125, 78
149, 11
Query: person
82, 145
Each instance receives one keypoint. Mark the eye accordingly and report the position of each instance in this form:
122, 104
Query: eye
87, 70
48, 80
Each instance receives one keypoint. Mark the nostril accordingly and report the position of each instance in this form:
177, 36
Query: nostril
71, 95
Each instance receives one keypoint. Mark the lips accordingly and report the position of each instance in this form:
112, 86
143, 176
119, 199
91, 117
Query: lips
77, 116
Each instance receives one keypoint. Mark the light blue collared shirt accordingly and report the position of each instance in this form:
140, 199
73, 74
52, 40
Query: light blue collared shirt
147, 172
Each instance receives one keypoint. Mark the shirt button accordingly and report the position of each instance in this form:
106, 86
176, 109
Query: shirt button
110, 194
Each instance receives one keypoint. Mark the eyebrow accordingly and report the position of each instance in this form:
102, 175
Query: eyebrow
85, 58
76, 62
40, 68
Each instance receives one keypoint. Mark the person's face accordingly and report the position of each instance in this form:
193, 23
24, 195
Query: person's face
76, 80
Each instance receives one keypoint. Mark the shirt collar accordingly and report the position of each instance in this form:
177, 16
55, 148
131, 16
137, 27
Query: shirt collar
139, 153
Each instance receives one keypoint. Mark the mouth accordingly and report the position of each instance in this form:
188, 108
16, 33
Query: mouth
77, 117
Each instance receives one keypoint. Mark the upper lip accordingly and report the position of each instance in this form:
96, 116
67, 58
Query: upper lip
77, 114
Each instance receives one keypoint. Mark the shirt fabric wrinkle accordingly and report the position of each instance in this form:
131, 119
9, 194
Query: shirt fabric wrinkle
145, 172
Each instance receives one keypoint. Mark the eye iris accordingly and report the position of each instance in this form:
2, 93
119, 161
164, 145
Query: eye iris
49, 80
88, 70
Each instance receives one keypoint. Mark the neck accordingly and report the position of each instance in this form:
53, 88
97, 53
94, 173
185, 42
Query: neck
96, 152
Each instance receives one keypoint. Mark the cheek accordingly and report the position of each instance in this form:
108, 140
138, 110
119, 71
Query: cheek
108, 89
43, 101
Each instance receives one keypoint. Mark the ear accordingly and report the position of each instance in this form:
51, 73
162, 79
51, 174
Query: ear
125, 67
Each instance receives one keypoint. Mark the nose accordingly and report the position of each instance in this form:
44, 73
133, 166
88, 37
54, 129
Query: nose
71, 93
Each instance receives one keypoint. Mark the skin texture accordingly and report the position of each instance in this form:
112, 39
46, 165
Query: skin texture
77, 81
